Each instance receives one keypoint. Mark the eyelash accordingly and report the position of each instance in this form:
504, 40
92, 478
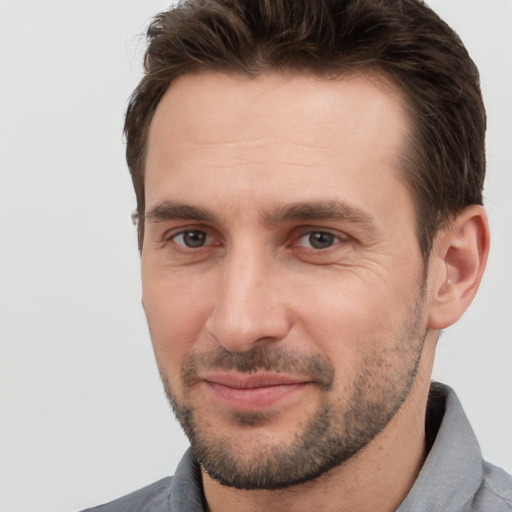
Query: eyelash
171, 238
332, 239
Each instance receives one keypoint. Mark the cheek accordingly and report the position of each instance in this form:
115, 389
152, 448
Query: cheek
176, 317
356, 313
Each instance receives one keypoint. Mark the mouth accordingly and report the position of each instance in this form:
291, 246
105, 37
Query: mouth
252, 392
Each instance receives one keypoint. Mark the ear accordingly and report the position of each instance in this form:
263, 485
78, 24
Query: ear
456, 266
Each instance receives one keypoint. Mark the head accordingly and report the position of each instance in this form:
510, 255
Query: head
306, 176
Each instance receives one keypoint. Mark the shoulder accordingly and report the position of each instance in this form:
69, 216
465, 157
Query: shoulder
180, 493
152, 498
495, 491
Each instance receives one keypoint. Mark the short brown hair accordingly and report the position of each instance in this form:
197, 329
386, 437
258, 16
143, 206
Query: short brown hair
444, 158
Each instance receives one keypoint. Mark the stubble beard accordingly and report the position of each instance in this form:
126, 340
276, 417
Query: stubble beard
336, 431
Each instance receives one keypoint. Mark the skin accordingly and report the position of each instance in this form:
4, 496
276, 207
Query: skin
237, 152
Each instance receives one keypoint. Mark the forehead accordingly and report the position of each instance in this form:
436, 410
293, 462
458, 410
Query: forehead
277, 132
210, 107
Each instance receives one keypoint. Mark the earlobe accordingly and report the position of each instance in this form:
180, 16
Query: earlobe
457, 265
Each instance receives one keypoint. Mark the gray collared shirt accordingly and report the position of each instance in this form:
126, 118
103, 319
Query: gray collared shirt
454, 477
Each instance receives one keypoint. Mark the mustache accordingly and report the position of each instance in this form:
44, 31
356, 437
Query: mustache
317, 368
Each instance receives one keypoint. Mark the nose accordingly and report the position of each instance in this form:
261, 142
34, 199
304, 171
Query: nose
249, 307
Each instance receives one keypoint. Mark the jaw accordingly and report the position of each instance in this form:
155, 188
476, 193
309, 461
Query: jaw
378, 477
269, 449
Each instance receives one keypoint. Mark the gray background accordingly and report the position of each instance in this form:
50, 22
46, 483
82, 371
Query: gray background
82, 415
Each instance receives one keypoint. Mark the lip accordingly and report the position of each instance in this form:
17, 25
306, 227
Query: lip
252, 392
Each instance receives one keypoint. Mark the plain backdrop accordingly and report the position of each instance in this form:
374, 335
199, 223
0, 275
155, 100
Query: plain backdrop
83, 418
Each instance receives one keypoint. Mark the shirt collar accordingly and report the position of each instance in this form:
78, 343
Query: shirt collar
187, 486
452, 472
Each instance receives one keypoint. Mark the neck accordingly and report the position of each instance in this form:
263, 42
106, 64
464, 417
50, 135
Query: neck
377, 478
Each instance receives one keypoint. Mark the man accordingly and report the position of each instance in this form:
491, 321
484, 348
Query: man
309, 185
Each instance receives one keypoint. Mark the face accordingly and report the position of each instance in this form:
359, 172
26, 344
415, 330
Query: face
282, 278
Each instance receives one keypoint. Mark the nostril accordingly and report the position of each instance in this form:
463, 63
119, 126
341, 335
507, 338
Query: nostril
239, 332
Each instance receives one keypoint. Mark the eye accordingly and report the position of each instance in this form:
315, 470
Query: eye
318, 240
192, 238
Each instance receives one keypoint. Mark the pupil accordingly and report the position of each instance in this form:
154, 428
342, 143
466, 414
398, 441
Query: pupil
321, 240
194, 238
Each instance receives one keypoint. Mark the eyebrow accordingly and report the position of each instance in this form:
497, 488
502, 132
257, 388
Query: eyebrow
300, 211
320, 210
169, 210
